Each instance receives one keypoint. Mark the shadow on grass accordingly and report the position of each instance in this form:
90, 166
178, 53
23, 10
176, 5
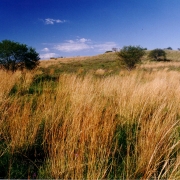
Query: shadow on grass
24, 162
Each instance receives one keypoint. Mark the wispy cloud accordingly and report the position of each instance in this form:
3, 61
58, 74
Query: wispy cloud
83, 40
73, 45
48, 55
45, 49
53, 21
84, 44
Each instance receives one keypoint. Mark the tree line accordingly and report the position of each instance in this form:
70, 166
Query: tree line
15, 56
131, 55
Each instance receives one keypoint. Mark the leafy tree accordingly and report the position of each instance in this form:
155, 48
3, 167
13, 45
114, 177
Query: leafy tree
157, 55
169, 48
131, 55
15, 56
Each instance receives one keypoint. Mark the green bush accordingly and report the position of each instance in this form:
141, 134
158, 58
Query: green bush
157, 55
131, 55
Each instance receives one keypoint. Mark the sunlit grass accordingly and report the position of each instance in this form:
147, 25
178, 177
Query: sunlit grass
123, 126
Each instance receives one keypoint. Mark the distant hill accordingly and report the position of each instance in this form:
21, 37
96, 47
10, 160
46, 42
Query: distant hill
108, 63
172, 55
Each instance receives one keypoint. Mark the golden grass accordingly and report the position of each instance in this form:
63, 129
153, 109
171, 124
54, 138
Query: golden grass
50, 62
7, 81
160, 64
173, 55
100, 72
124, 126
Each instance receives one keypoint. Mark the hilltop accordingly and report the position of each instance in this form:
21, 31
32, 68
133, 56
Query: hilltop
104, 64
173, 55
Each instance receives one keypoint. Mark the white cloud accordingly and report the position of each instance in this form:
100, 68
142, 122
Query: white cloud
71, 45
105, 46
83, 40
48, 55
53, 21
45, 50
70, 41
83, 44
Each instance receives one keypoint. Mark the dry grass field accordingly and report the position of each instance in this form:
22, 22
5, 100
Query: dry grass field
120, 126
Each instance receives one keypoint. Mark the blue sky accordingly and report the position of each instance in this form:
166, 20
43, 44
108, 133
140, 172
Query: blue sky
65, 28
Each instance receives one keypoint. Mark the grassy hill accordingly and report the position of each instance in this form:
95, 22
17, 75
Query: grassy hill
90, 118
104, 64
82, 65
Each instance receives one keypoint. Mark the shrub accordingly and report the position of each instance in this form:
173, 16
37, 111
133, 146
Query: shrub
157, 55
131, 55
169, 48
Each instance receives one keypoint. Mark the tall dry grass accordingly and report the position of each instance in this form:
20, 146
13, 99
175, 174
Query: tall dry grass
162, 65
7, 81
124, 126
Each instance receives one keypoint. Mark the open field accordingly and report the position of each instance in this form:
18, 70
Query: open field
91, 118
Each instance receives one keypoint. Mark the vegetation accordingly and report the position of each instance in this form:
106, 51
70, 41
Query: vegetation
108, 51
68, 125
157, 55
108, 62
15, 56
131, 55
169, 48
